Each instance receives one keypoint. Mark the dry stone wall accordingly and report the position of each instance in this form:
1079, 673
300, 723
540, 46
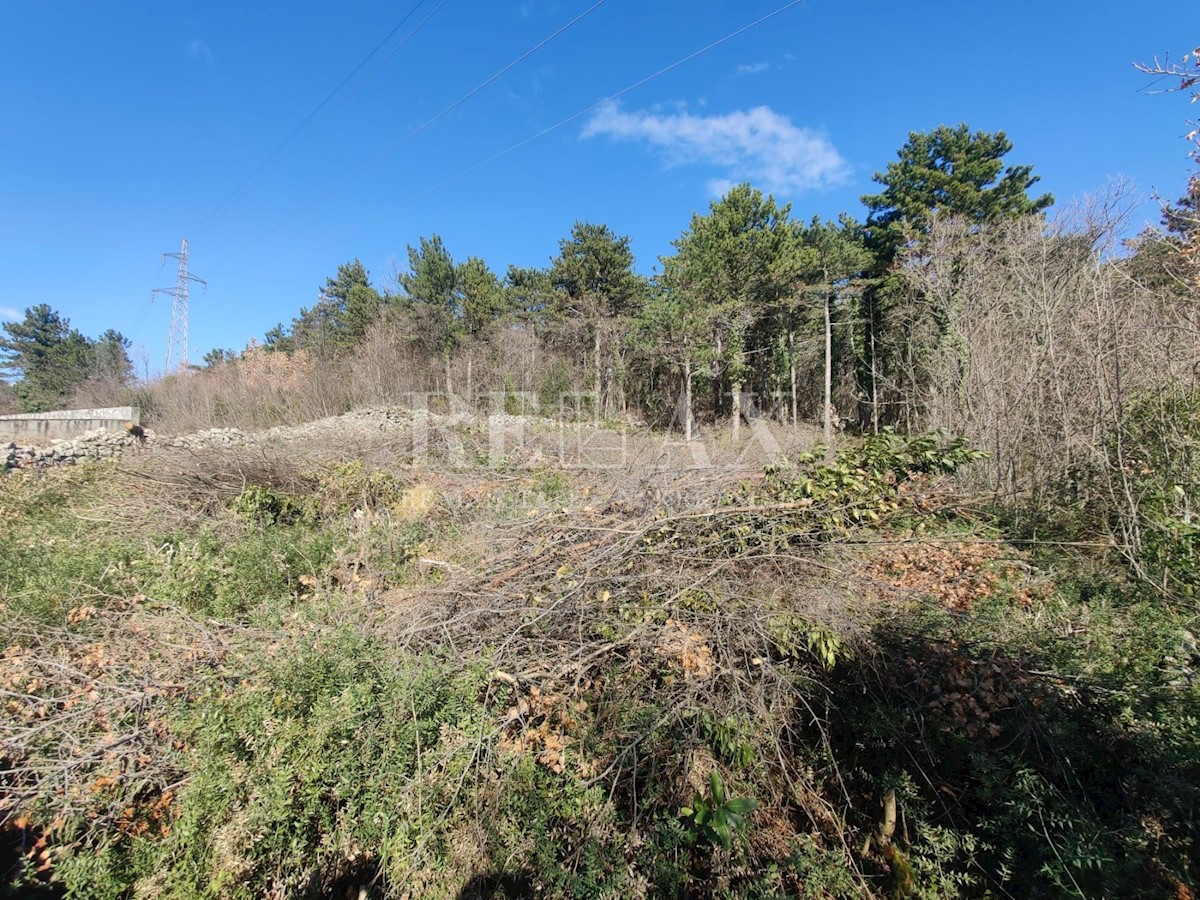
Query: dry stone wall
91, 445
419, 430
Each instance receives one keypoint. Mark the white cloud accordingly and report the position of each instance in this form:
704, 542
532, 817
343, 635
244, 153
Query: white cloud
7, 312
752, 68
197, 49
756, 145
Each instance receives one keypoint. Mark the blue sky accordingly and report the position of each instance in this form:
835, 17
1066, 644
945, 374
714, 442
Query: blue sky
124, 126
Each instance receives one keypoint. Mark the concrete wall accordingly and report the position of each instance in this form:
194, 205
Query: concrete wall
41, 428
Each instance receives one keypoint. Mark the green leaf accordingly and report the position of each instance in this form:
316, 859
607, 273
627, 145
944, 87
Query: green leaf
718, 788
742, 805
724, 838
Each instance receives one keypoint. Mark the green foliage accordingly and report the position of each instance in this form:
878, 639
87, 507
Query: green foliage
862, 483
216, 357
349, 276
935, 862
111, 361
945, 172
594, 272
728, 737
263, 506
50, 558
828, 261
733, 257
1157, 454
52, 359
560, 830
529, 294
278, 340
346, 307
675, 334
353, 486
390, 548
792, 636
595, 292
1063, 732
1075, 838
431, 291
730, 268
830, 253
260, 570
948, 171
315, 767
554, 383
818, 501
821, 872
483, 299
719, 818
322, 753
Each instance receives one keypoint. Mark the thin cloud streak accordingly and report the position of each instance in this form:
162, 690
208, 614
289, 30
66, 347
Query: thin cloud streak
10, 314
752, 68
198, 49
756, 145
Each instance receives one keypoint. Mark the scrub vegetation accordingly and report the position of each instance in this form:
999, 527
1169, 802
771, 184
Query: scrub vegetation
939, 642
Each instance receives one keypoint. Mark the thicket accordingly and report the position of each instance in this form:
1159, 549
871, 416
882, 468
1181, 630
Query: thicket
51, 363
951, 655
272, 678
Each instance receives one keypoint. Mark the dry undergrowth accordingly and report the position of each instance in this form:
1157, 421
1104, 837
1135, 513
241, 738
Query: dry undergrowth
625, 620
957, 574
83, 728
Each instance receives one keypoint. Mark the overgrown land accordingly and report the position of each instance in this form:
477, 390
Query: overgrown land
841, 559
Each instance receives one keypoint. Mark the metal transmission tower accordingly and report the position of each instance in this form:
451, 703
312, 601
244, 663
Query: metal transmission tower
177, 339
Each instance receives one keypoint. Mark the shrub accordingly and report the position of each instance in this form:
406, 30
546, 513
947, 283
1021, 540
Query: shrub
1154, 488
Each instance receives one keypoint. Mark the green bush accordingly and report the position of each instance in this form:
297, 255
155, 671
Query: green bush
212, 574
325, 766
1155, 488
52, 559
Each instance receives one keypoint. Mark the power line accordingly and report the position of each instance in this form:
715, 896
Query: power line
500, 73
379, 65
312, 115
599, 103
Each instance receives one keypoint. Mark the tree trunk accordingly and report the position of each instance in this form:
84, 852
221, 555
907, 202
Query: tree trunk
718, 397
828, 378
736, 408
687, 401
598, 373
619, 400
795, 403
874, 387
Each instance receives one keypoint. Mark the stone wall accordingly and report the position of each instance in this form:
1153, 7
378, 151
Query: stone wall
41, 428
97, 444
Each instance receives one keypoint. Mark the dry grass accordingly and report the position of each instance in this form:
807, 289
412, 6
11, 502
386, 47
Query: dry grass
85, 704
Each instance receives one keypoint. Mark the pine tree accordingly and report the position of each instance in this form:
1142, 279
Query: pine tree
50, 358
945, 172
948, 171
735, 264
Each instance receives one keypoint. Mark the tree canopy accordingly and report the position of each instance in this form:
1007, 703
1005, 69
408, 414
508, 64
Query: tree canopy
948, 171
347, 305
736, 263
594, 271
51, 360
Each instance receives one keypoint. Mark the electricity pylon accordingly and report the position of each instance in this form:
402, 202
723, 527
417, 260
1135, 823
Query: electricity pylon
177, 338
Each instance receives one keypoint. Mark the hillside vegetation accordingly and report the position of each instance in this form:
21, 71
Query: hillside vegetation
838, 559
310, 668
